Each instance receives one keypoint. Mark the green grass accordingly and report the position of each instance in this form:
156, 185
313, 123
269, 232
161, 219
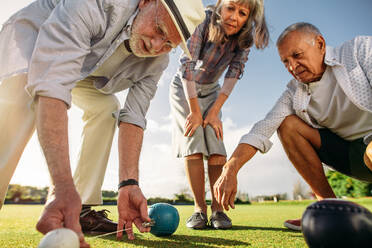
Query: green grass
258, 225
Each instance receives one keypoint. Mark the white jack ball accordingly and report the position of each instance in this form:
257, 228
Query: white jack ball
60, 238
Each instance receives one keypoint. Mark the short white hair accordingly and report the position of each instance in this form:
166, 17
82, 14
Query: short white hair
299, 26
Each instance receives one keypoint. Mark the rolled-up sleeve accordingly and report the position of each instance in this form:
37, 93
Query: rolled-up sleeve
63, 42
364, 55
237, 64
260, 134
138, 102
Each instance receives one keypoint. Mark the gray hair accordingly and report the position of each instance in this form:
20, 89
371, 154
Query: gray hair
254, 31
304, 27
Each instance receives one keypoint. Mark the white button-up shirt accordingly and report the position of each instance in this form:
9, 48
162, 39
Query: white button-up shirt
351, 65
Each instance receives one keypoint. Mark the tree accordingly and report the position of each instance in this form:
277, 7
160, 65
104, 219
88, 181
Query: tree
343, 185
109, 193
301, 191
19, 194
15, 192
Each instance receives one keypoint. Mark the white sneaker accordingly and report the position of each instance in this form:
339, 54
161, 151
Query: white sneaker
294, 225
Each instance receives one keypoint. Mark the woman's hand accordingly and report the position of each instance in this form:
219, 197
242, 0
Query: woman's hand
193, 121
215, 122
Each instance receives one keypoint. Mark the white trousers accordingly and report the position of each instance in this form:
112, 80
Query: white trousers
17, 124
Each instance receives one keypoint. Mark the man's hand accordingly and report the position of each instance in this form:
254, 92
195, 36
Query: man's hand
215, 122
62, 211
132, 207
193, 121
226, 185
225, 188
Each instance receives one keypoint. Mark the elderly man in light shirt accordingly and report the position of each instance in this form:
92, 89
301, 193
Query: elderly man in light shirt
324, 115
82, 52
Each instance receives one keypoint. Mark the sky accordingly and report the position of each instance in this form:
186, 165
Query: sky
264, 79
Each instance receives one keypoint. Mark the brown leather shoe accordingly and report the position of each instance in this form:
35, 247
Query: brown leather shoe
97, 222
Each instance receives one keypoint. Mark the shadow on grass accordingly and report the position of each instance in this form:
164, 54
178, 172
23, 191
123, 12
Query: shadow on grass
181, 241
264, 229
198, 241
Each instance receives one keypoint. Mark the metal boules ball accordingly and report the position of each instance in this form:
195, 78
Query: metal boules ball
337, 223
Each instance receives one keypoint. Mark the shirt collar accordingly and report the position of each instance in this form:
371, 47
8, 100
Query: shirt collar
128, 25
330, 57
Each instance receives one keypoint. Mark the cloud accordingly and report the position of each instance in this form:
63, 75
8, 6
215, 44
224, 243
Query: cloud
156, 127
161, 174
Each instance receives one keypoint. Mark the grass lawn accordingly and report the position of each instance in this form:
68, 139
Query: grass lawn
258, 225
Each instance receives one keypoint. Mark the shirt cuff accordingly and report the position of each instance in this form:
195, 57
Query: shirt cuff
261, 143
53, 91
131, 118
234, 73
188, 71
367, 139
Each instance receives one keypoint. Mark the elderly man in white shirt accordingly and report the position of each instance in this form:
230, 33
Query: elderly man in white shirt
324, 115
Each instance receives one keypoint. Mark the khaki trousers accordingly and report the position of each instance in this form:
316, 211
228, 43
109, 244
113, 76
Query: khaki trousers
17, 124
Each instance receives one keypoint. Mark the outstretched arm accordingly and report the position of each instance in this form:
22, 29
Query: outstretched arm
234, 72
64, 208
132, 205
194, 118
212, 117
258, 137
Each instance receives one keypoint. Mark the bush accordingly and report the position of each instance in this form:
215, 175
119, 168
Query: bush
239, 201
343, 185
154, 200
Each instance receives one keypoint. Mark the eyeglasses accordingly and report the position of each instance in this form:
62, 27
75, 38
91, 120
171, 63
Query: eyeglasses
161, 30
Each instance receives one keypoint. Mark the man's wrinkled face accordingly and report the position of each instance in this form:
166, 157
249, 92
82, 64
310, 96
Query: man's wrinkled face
153, 31
303, 56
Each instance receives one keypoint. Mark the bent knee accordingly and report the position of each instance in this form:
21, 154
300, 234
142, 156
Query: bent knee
216, 159
369, 150
110, 104
289, 124
104, 107
368, 156
194, 156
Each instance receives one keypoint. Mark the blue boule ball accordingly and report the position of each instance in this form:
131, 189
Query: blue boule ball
166, 219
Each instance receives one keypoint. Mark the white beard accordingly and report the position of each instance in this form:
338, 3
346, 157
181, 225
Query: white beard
133, 43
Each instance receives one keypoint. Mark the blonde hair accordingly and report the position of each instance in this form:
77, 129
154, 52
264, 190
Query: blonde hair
254, 31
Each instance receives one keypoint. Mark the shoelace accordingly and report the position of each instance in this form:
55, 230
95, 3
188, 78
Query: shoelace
221, 215
103, 213
198, 215
100, 213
